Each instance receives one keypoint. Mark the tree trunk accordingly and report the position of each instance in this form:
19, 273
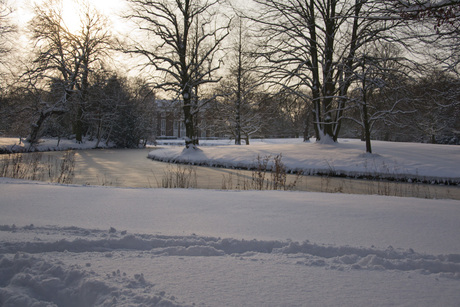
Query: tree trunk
238, 114
79, 125
347, 69
99, 133
306, 131
366, 124
239, 88
33, 136
367, 130
82, 102
35, 129
238, 126
191, 139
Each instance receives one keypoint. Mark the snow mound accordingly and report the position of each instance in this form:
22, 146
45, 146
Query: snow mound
345, 257
326, 139
30, 281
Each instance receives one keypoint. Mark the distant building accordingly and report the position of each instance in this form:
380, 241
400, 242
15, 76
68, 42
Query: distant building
170, 121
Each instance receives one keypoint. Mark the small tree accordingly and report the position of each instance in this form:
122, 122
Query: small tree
381, 74
91, 44
243, 82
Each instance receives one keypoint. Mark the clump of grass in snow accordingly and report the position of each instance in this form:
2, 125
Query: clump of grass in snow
267, 174
31, 166
179, 176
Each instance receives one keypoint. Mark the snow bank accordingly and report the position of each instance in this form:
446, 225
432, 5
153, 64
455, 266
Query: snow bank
15, 145
396, 161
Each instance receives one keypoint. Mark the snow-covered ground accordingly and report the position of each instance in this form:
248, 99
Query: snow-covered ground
69, 245
347, 157
88, 246
12, 145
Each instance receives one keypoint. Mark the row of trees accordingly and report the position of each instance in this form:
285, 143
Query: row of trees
334, 56
315, 67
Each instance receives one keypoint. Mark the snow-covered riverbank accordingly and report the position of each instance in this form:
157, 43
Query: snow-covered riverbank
390, 160
17, 145
396, 161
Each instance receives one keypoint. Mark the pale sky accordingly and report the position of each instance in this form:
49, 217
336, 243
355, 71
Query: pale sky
110, 8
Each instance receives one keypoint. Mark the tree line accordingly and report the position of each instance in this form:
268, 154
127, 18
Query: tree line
323, 68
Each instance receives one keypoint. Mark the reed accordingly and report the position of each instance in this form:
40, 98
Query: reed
179, 176
32, 166
267, 174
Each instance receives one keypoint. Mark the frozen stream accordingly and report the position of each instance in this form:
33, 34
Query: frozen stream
132, 168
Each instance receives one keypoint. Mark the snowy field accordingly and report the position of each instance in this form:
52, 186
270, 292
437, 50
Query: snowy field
69, 245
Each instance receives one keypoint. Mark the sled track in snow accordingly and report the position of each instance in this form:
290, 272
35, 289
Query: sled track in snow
78, 240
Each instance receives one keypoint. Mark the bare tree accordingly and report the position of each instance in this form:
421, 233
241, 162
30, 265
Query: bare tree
311, 48
53, 60
239, 116
381, 73
238, 105
437, 117
65, 56
184, 38
435, 27
91, 44
7, 28
296, 113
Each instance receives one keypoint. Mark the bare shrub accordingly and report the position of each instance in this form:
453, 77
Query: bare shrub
258, 174
179, 176
267, 174
67, 167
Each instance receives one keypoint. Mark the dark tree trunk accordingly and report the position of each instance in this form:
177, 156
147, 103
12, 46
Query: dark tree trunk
238, 114
367, 129
35, 129
366, 124
306, 131
79, 125
191, 139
